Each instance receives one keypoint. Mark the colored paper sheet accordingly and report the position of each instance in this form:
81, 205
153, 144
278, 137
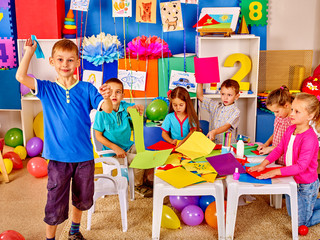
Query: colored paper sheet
150, 159
211, 177
137, 121
257, 174
174, 159
161, 145
207, 70
167, 167
225, 164
179, 177
244, 177
201, 168
251, 164
38, 52
206, 20
197, 145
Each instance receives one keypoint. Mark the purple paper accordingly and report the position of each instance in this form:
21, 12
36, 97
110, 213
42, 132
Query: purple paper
225, 164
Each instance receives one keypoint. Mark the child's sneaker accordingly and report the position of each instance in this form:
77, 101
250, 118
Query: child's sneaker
76, 236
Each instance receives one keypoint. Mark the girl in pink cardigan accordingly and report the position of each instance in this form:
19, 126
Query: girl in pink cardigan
300, 146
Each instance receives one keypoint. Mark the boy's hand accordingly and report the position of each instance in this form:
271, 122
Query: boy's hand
212, 134
29, 46
257, 168
105, 91
120, 152
140, 108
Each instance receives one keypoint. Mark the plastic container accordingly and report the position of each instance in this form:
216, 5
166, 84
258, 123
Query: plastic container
236, 174
240, 148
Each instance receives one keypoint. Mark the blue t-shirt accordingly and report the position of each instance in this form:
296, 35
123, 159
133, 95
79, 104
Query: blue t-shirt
66, 119
115, 126
177, 129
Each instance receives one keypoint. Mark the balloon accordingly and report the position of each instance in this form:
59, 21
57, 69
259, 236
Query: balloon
169, 218
157, 110
211, 214
37, 167
192, 215
180, 202
8, 165
15, 158
24, 89
303, 230
205, 201
11, 235
34, 146
21, 151
38, 125
13, 137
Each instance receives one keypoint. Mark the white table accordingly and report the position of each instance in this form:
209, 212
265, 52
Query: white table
162, 189
284, 185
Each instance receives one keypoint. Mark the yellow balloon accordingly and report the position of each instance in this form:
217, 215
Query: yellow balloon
8, 164
169, 218
21, 151
38, 125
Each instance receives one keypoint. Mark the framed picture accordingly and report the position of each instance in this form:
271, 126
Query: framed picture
183, 79
220, 17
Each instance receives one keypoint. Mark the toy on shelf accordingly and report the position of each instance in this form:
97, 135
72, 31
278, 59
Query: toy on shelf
243, 29
312, 84
69, 28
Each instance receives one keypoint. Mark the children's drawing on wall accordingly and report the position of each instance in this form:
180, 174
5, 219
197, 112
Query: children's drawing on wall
171, 16
146, 11
189, 1
133, 80
80, 5
182, 79
121, 8
94, 77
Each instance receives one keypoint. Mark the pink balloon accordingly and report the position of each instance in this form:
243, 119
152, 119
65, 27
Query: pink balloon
11, 235
24, 89
37, 167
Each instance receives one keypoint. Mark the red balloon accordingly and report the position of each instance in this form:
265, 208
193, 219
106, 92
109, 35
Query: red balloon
15, 158
303, 230
37, 167
11, 235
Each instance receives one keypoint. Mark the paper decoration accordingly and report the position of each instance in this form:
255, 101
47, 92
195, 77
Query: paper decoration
146, 11
197, 145
7, 53
133, 80
244, 177
257, 174
179, 177
189, 1
94, 77
183, 79
255, 12
207, 70
171, 16
81, 5
121, 8
161, 145
225, 164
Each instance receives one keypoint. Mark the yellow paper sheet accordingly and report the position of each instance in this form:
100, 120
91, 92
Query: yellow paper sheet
179, 177
174, 159
201, 168
197, 145
211, 177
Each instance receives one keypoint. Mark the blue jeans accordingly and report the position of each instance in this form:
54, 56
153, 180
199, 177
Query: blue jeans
308, 204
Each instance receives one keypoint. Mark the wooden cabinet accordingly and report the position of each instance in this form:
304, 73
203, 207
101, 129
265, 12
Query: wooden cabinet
223, 47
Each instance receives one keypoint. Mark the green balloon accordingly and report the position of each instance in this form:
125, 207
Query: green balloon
157, 110
14, 137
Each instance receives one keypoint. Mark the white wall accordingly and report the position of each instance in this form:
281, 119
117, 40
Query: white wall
294, 25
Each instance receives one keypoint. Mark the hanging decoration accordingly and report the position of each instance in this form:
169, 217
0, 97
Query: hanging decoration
146, 11
101, 49
121, 8
148, 48
81, 5
171, 16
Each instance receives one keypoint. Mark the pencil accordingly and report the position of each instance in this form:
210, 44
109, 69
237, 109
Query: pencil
224, 139
230, 136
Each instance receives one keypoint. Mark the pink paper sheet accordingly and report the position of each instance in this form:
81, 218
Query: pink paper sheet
207, 70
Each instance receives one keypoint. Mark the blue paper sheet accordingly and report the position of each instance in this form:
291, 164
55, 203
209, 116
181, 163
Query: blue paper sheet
245, 177
38, 52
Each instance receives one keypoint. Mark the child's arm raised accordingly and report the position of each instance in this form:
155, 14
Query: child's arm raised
21, 75
212, 134
200, 91
103, 140
106, 92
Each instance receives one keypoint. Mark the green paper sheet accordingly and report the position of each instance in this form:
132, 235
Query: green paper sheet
137, 121
248, 149
150, 159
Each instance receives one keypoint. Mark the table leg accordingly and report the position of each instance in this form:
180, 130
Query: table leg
232, 208
157, 214
294, 210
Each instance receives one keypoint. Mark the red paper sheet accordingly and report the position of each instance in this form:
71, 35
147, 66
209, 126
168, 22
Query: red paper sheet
256, 152
257, 174
161, 145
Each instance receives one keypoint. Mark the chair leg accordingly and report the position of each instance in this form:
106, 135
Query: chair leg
278, 201
131, 183
89, 217
123, 202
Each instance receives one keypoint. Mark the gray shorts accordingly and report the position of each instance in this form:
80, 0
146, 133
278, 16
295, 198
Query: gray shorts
59, 177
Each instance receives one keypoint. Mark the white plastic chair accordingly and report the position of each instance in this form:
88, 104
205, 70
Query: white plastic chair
107, 169
111, 185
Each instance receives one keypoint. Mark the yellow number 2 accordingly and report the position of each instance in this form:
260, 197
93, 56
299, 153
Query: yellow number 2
255, 14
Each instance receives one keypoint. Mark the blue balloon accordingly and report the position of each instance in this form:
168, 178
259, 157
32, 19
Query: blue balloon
205, 201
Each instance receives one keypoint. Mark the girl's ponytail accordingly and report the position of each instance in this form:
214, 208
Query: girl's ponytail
279, 96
